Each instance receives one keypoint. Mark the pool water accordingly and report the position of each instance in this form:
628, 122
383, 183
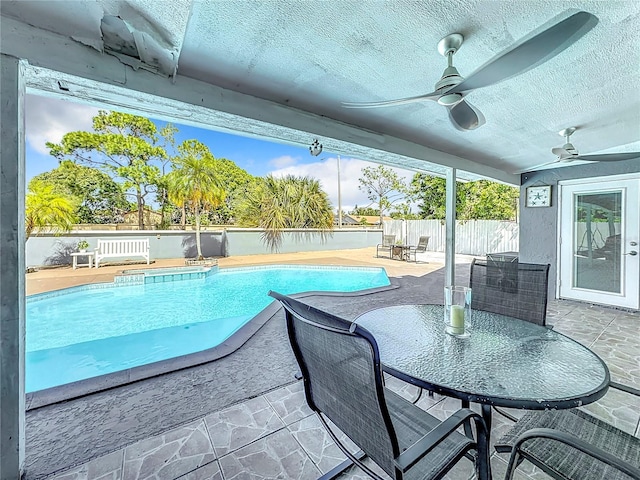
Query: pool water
90, 332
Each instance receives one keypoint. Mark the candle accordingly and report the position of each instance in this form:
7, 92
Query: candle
457, 318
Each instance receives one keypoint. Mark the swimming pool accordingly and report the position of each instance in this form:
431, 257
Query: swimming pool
85, 332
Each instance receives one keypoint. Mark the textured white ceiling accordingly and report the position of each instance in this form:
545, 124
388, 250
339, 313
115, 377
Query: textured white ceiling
313, 55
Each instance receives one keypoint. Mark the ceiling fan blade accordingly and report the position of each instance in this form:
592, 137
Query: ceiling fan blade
609, 157
465, 116
529, 52
390, 103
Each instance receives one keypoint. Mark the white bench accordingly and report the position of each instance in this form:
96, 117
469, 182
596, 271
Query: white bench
122, 248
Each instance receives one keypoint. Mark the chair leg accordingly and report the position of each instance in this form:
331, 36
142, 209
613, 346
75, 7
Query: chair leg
418, 397
513, 463
341, 467
352, 458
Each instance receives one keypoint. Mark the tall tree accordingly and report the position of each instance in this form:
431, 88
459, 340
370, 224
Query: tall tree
383, 187
99, 198
167, 136
289, 202
194, 182
235, 181
46, 208
479, 200
430, 192
122, 145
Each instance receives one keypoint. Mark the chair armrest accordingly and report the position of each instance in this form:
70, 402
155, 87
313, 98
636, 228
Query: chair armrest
576, 443
625, 388
428, 442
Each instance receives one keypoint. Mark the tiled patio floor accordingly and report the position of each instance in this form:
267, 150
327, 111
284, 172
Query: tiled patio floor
275, 435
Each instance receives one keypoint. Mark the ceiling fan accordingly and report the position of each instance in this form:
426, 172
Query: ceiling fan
524, 55
569, 153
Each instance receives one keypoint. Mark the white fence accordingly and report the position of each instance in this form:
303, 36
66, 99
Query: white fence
473, 237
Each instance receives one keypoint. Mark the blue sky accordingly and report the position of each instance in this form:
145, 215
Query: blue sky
48, 119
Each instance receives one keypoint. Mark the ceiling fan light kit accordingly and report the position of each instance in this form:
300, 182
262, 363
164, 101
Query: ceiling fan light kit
450, 99
451, 89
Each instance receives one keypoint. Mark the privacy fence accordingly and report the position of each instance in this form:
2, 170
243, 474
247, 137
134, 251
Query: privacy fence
473, 237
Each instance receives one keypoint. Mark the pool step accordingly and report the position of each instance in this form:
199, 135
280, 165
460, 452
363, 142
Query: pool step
161, 275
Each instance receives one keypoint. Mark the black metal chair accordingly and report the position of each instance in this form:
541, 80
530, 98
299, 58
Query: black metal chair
514, 289
573, 445
420, 248
510, 288
340, 365
388, 241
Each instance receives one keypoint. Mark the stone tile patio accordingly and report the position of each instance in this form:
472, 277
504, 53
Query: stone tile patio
275, 436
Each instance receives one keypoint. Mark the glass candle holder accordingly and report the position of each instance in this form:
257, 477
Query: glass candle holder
457, 310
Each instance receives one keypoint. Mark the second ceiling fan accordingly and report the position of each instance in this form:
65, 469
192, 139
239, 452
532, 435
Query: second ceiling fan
568, 153
529, 52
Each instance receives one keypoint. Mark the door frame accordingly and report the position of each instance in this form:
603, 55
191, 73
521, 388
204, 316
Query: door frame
587, 181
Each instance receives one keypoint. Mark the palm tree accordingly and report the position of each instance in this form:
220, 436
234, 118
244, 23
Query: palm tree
289, 202
194, 182
47, 208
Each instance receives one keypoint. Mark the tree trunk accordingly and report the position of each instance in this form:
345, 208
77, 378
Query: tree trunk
183, 220
198, 245
140, 210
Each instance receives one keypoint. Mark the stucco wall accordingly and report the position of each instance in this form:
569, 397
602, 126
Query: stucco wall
539, 226
52, 250
249, 241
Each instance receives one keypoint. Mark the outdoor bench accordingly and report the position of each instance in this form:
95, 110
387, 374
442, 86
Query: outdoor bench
122, 248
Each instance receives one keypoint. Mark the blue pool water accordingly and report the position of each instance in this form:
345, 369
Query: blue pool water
87, 332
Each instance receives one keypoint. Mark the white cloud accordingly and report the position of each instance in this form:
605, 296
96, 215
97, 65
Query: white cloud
283, 161
326, 171
48, 119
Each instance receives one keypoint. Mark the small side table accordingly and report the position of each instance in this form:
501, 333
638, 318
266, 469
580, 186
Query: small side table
400, 252
89, 256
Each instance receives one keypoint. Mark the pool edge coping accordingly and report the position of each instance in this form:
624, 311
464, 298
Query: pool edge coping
89, 386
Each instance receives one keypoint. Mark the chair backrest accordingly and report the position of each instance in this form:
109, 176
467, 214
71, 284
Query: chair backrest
340, 366
510, 288
422, 244
388, 240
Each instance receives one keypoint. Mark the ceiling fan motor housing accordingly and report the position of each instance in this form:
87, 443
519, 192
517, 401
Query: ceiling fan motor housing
450, 78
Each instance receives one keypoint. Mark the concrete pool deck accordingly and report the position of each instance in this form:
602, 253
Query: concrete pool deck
54, 278
238, 412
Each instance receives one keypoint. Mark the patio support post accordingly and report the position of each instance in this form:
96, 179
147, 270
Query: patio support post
12, 270
450, 224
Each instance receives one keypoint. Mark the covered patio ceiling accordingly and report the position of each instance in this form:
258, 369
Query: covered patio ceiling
292, 63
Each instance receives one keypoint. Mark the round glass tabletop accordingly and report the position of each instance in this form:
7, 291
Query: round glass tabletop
504, 361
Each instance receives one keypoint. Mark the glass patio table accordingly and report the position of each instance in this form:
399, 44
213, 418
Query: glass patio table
504, 362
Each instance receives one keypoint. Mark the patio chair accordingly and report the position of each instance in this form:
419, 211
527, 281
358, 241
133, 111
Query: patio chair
573, 445
510, 288
388, 241
514, 289
340, 365
420, 248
